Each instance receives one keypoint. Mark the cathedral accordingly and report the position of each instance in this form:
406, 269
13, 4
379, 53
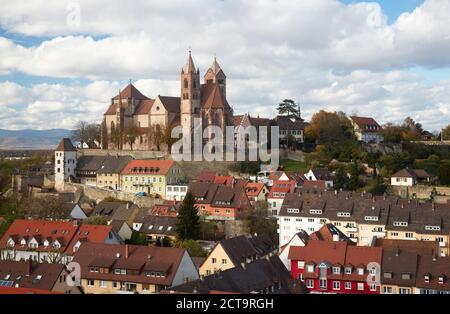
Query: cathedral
134, 121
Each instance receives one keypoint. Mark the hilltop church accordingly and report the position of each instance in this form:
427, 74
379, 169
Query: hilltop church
133, 113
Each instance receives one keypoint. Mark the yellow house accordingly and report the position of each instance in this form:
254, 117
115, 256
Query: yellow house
108, 176
150, 176
237, 252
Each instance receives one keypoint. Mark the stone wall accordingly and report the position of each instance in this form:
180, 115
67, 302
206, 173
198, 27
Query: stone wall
98, 194
136, 154
424, 192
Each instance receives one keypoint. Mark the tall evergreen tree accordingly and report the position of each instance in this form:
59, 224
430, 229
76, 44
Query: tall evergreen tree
289, 107
188, 225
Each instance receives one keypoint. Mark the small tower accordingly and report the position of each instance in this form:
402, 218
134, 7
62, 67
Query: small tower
216, 75
65, 163
190, 94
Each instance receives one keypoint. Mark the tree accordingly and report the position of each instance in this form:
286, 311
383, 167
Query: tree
329, 128
43, 208
444, 173
371, 158
377, 186
138, 238
87, 133
392, 133
341, 178
354, 171
130, 134
446, 133
412, 131
258, 222
290, 108
188, 224
194, 249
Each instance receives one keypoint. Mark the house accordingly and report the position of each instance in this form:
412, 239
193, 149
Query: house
410, 177
122, 229
367, 130
108, 175
167, 209
278, 192
150, 176
50, 241
262, 276
176, 191
157, 228
87, 168
36, 276
290, 128
116, 211
237, 252
74, 211
256, 191
321, 175
336, 267
433, 275
220, 202
328, 232
400, 263
130, 269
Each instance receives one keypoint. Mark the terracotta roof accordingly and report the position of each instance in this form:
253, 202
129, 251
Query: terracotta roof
143, 259
216, 194
238, 120
153, 167
40, 230
206, 176
172, 104
327, 233
65, 146
213, 97
254, 188
190, 66
144, 106
91, 234
281, 188
31, 275
435, 268
14, 290
364, 122
131, 92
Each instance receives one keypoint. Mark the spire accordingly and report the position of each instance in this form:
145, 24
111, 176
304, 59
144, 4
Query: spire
190, 66
215, 66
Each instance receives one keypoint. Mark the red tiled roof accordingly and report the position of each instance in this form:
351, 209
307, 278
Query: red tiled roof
144, 106
254, 188
89, 233
282, 187
155, 167
13, 290
362, 122
131, 92
213, 98
41, 230
65, 146
206, 176
225, 180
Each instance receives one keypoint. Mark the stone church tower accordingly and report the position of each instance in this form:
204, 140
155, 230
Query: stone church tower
190, 94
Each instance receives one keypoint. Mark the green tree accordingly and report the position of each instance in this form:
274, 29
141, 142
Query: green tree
138, 238
341, 178
444, 173
258, 222
194, 249
354, 171
392, 133
290, 108
377, 186
188, 224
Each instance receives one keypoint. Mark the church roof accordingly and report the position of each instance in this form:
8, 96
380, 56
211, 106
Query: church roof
190, 66
172, 104
215, 67
65, 146
131, 92
213, 98
144, 106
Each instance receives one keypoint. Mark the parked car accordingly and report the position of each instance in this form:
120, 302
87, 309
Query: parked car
141, 194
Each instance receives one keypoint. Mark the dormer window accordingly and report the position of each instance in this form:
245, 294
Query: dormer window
315, 212
310, 268
336, 270
23, 242
293, 210
387, 275
433, 228
371, 218
348, 270
406, 276
343, 214
400, 224
427, 278
360, 271
11, 243
46, 243
441, 279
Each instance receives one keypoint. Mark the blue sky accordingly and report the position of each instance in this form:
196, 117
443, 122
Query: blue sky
60, 66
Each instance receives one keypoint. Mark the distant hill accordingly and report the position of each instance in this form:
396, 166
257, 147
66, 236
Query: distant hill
32, 139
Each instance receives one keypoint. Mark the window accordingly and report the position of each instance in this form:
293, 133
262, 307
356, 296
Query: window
310, 268
336, 270
301, 265
214, 260
336, 285
348, 285
405, 291
103, 284
360, 286
348, 270
409, 235
91, 283
387, 290
406, 276
322, 283
373, 287
310, 283
224, 261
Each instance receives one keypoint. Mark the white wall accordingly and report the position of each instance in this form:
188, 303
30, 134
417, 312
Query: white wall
186, 270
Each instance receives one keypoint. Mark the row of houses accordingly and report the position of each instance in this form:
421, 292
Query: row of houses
336, 265
363, 217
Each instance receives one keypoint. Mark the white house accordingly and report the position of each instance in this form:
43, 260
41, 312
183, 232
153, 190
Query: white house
176, 192
410, 177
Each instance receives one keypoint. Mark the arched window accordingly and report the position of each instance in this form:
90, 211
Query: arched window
186, 83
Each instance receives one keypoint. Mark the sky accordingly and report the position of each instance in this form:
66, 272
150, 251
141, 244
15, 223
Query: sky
386, 59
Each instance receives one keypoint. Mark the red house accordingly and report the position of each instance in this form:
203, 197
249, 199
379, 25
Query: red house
337, 267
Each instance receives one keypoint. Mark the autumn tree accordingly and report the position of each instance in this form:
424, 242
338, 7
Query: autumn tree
446, 133
329, 127
412, 130
392, 133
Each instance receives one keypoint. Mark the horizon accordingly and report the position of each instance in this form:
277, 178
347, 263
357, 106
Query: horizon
360, 62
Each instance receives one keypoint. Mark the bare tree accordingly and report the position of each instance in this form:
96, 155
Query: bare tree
130, 135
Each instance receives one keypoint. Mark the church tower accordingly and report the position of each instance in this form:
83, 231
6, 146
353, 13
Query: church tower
65, 163
190, 94
216, 75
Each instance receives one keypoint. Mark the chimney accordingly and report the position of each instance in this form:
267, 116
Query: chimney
433, 206
126, 251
